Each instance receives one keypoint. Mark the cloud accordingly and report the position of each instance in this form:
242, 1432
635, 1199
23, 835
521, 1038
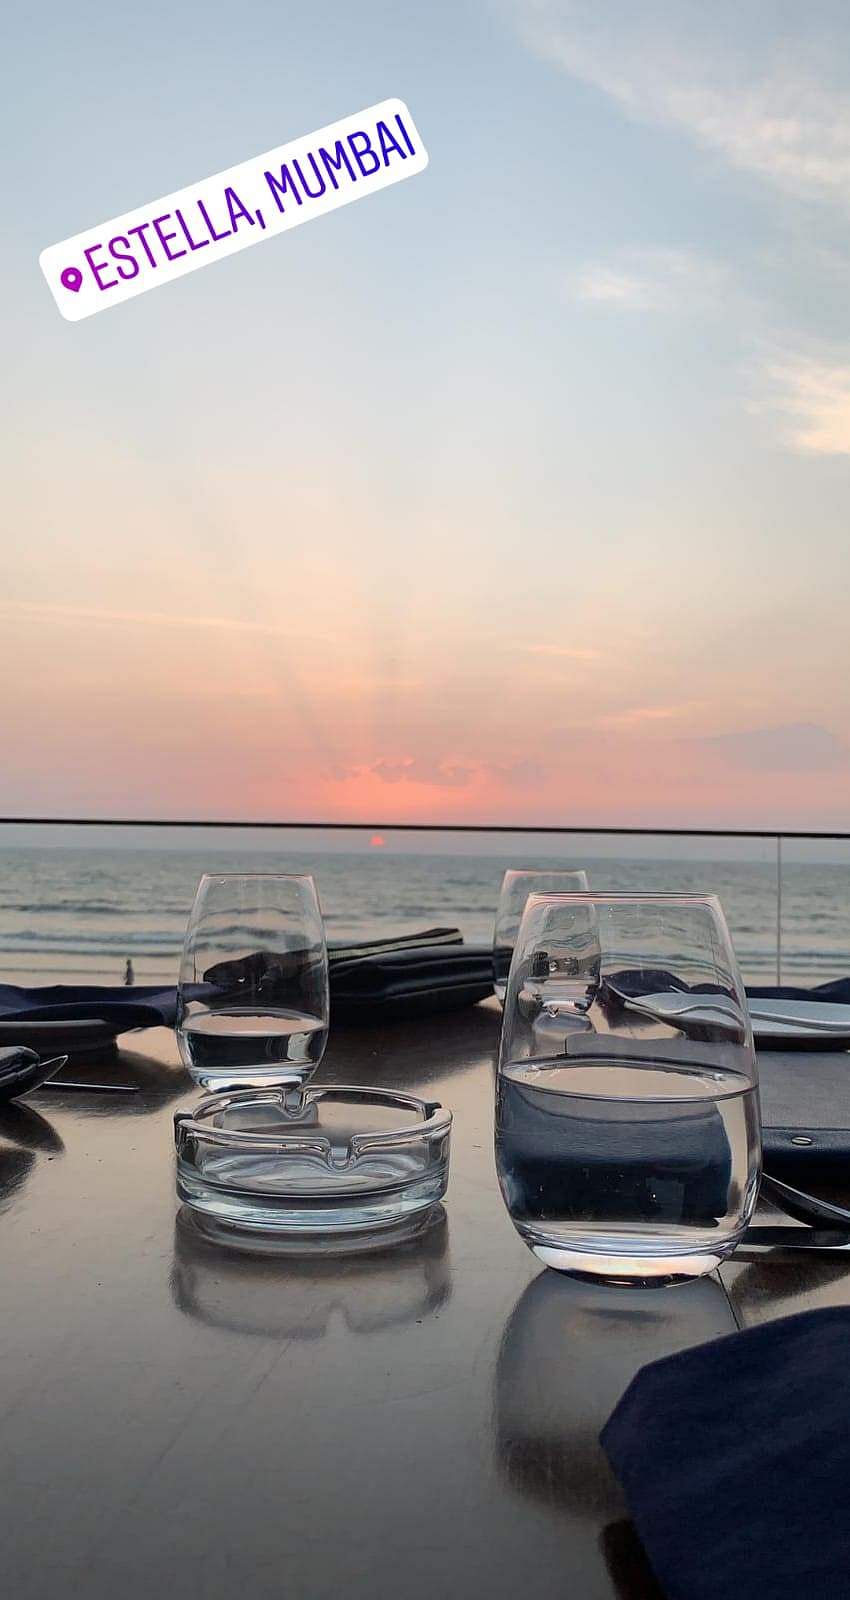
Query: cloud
651, 280
442, 774
791, 747
752, 87
144, 619
567, 652
527, 774
406, 769
769, 96
639, 716
521, 774
813, 394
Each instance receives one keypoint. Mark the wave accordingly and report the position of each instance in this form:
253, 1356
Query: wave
92, 908
32, 938
74, 908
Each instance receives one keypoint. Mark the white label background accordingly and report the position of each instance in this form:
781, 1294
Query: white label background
249, 183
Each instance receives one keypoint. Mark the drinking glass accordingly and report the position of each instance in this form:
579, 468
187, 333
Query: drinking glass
252, 1000
517, 884
627, 1116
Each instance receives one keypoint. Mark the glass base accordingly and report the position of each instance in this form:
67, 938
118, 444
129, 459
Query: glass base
276, 1075
318, 1216
353, 1241
635, 1261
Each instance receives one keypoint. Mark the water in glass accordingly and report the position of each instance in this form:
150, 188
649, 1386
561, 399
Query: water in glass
627, 1144
226, 1042
253, 995
623, 1160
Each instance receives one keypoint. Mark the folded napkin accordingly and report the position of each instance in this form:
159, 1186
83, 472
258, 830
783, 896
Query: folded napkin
656, 980
837, 990
734, 1459
405, 941
406, 976
410, 983
136, 1007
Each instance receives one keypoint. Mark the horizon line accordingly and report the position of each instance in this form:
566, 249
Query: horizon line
427, 827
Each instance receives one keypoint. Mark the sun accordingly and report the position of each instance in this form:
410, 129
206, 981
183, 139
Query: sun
377, 841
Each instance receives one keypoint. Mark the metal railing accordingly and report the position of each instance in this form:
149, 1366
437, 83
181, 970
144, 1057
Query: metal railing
424, 827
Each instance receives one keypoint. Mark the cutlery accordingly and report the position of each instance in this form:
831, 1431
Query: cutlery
22, 1070
832, 1234
93, 1088
804, 1207
781, 1238
672, 1012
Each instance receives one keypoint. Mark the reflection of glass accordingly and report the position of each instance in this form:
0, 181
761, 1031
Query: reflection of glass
568, 1352
628, 1563
272, 1296
627, 1120
29, 1130
15, 1167
252, 1004
517, 884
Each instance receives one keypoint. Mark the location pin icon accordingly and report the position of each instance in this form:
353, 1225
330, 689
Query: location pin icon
72, 279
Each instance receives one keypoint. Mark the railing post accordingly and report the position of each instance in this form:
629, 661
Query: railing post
778, 910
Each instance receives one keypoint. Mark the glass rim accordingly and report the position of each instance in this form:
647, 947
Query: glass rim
542, 872
659, 897
289, 877
431, 1116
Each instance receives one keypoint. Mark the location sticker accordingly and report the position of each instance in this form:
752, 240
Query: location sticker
215, 217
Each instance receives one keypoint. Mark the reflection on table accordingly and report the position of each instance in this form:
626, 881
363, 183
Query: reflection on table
275, 1296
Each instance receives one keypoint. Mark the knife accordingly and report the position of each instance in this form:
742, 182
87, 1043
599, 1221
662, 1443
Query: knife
782, 1238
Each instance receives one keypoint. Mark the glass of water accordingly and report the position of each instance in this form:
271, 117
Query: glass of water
252, 1000
627, 1117
517, 884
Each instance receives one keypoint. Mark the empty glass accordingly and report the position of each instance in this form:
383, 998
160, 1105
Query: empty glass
252, 1001
517, 884
627, 1117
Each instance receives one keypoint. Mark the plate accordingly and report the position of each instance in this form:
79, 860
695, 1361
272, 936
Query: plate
61, 1037
769, 1032
778, 1024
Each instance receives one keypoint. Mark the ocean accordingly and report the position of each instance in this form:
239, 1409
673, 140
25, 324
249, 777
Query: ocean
76, 915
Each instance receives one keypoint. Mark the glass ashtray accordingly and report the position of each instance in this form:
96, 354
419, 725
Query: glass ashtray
313, 1162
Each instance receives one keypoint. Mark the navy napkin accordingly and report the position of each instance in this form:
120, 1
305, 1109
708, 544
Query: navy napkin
837, 990
650, 980
409, 983
734, 1459
137, 1007
404, 976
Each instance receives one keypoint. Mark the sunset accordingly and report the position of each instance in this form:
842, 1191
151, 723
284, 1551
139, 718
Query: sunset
425, 800
424, 513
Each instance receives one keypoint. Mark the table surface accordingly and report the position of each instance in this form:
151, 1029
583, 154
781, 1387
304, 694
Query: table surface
412, 1423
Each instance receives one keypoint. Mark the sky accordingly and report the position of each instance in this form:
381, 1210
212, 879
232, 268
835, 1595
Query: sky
516, 493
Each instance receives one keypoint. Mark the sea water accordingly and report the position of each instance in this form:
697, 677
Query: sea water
632, 1170
76, 915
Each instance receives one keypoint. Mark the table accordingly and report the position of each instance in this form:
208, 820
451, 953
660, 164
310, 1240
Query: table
420, 1422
